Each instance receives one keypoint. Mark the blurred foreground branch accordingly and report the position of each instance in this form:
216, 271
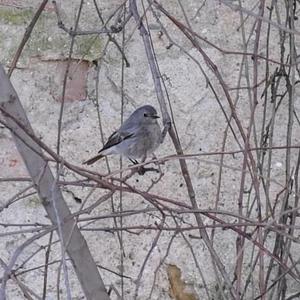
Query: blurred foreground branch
72, 240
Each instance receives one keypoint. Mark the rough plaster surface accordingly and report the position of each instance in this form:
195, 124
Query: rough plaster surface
199, 122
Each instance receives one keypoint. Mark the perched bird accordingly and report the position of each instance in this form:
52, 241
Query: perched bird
137, 137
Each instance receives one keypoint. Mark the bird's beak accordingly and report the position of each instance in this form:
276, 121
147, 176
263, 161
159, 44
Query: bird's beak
155, 117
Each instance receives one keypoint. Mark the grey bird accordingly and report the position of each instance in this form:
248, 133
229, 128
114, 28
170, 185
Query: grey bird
137, 137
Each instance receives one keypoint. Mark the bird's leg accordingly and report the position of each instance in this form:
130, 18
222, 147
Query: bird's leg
140, 170
144, 169
134, 161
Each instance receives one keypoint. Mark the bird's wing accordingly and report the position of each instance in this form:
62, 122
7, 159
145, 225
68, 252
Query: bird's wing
116, 138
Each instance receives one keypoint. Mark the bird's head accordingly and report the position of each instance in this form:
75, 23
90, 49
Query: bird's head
147, 114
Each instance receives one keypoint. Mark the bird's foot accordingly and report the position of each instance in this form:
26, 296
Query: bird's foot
143, 170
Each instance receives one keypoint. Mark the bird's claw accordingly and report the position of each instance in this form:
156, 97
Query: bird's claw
143, 170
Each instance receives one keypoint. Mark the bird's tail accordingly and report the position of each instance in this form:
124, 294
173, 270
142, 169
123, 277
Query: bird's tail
93, 159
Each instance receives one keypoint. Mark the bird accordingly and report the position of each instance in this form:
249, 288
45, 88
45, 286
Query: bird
138, 137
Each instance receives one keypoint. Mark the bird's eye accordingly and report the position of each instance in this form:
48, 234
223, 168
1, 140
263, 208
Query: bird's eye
145, 115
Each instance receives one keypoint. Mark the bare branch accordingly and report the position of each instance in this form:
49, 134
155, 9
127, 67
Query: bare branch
77, 249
